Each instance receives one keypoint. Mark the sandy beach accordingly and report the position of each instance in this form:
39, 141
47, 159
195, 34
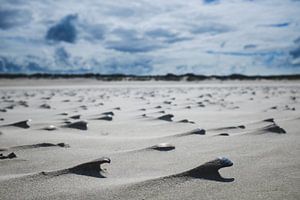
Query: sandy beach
86, 139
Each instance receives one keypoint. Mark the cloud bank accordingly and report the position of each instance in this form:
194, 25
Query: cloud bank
252, 37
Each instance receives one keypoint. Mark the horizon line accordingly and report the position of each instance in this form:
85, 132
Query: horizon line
133, 77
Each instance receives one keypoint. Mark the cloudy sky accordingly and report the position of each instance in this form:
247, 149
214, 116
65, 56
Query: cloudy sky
150, 36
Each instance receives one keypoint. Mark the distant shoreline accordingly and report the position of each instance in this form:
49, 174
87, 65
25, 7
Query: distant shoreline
167, 77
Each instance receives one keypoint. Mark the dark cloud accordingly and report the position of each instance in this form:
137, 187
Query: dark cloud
65, 63
138, 66
64, 30
160, 33
9, 66
210, 1
130, 41
97, 31
237, 53
15, 2
93, 32
133, 46
13, 17
295, 53
279, 25
297, 40
34, 67
62, 56
250, 46
165, 35
211, 28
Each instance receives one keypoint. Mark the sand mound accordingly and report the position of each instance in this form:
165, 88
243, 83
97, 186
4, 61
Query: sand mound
223, 134
186, 121
45, 106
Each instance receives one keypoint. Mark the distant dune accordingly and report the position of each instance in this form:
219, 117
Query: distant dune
167, 77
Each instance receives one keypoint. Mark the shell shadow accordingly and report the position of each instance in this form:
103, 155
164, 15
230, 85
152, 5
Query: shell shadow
92, 168
209, 170
21, 124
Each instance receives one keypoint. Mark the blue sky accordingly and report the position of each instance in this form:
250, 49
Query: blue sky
252, 37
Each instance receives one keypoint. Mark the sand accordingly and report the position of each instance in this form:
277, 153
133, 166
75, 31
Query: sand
83, 139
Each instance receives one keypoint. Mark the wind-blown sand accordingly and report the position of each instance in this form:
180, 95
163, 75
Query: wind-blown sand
149, 140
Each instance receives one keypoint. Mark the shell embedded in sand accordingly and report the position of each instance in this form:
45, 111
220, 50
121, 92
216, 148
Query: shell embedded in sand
9, 156
64, 113
225, 161
108, 113
46, 106
186, 121
163, 147
197, 131
50, 128
223, 134
62, 144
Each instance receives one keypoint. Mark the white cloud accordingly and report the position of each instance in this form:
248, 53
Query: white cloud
151, 37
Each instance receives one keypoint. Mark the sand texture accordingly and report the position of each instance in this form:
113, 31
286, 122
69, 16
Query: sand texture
149, 140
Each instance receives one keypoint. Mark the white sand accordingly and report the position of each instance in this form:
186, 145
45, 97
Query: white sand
266, 164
